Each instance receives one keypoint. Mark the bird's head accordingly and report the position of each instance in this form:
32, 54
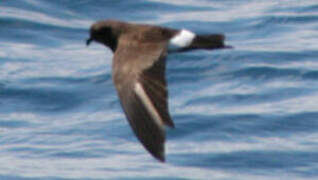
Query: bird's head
105, 32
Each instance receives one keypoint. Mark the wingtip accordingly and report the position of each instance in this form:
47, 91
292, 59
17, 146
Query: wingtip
162, 160
158, 154
160, 157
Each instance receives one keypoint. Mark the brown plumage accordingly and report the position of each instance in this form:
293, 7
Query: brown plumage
139, 74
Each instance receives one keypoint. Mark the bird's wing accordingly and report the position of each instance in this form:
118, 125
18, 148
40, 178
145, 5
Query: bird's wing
139, 77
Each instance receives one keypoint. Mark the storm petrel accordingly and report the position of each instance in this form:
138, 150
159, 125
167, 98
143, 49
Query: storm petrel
138, 72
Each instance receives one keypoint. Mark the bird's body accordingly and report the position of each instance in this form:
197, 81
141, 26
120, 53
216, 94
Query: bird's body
139, 72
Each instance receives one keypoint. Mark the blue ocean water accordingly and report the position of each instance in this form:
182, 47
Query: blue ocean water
246, 113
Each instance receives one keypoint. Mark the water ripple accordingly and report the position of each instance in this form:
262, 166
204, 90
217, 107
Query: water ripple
245, 113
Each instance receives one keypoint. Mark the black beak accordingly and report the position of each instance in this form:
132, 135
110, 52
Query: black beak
88, 41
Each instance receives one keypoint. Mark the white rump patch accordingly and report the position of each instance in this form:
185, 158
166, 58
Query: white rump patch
181, 40
148, 104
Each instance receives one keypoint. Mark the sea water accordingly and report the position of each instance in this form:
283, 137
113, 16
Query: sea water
250, 112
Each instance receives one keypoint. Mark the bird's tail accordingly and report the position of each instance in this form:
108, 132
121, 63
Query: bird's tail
210, 41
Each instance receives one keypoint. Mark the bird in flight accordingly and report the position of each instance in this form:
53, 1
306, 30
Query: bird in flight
138, 72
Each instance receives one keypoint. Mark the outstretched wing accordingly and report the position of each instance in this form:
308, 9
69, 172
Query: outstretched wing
139, 77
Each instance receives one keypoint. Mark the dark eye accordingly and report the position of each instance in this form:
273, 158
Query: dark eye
105, 30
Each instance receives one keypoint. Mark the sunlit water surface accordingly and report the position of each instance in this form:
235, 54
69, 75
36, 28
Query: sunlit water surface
246, 113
